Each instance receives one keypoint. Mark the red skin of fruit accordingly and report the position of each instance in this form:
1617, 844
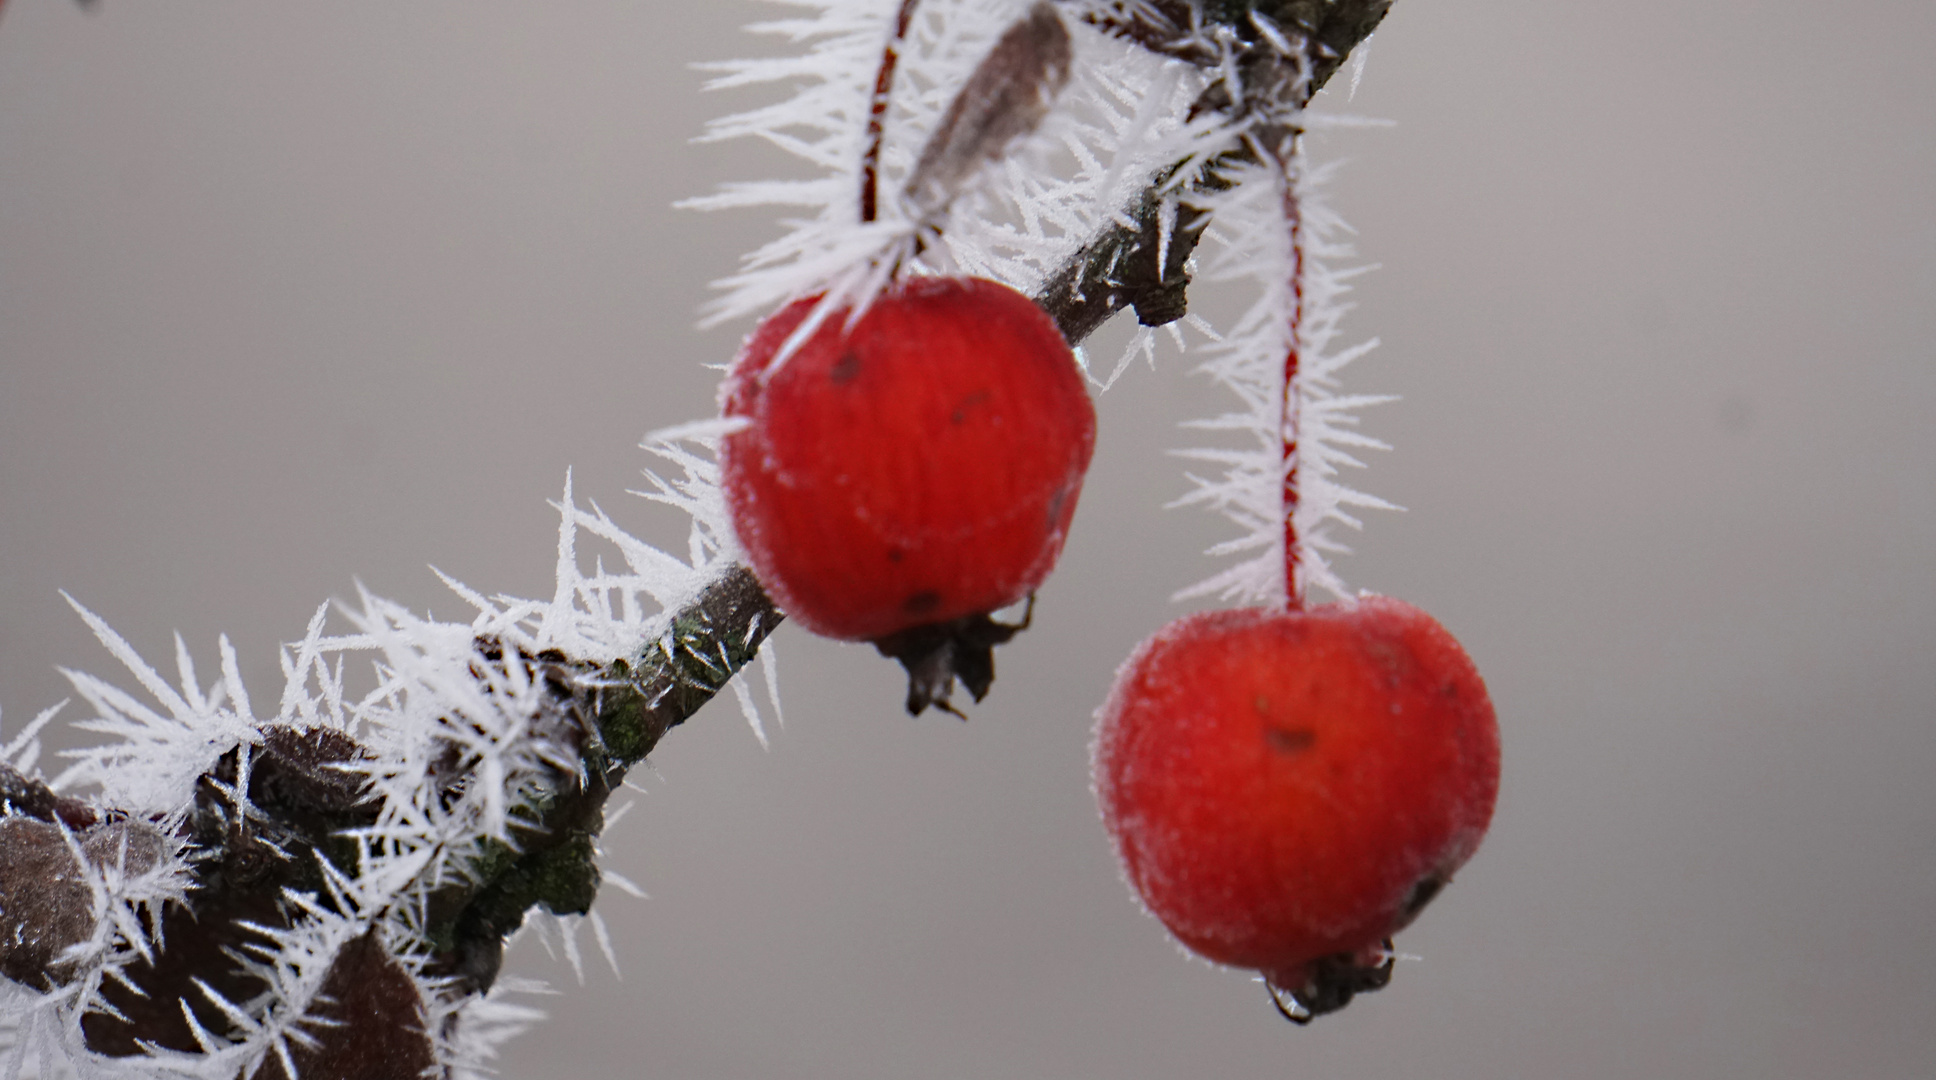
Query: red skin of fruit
919, 467
1289, 785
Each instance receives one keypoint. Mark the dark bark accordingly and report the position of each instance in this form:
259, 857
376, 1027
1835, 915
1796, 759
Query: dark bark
27, 797
612, 717
369, 1025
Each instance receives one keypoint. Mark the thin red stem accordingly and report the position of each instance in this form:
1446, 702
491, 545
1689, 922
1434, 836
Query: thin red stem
1294, 222
870, 158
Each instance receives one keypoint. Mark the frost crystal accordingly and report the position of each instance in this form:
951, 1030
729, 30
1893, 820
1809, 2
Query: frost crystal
439, 761
1115, 125
1250, 245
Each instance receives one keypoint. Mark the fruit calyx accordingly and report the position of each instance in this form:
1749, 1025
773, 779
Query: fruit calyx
1328, 983
936, 654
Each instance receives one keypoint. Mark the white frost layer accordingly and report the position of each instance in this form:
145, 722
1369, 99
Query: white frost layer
1114, 127
429, 693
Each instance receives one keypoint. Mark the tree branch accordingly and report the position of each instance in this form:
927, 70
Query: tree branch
1119, 268
610, 716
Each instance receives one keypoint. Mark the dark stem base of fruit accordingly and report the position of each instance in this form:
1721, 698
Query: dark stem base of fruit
1328, 983
936, 654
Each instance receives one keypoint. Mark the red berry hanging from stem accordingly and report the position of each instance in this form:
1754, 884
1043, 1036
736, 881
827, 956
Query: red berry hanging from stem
1288, 789
907, 469
900, 479
1289, 786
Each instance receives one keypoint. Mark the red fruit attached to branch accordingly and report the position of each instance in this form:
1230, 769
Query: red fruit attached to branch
902, 478
1287, 789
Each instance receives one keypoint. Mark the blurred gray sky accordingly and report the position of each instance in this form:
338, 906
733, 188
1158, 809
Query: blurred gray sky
295, 294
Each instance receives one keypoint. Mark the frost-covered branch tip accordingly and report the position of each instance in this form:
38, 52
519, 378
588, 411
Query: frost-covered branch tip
1271, 56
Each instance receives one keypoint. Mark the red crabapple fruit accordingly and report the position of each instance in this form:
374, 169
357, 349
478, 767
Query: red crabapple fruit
902, 478
1288, 789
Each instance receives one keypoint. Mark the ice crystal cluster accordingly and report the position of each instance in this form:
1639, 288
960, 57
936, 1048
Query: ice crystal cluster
442, 762
1291, 310
199, 894
1121, 128
1119, 120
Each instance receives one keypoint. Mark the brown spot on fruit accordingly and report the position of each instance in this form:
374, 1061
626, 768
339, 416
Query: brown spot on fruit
1290, 740
1394, 660
922, 602
1422, 893
960, 415
846, 369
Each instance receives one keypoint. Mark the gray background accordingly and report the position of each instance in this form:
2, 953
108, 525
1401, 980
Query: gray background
296, 293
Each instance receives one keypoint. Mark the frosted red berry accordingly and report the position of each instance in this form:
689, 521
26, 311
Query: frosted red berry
1287, 789
916, 469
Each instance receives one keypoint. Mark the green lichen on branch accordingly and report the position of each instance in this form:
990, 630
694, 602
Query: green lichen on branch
707, 642
615, 714
301, 803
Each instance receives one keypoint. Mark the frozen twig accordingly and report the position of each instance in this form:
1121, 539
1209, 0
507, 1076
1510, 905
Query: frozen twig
1138, 260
